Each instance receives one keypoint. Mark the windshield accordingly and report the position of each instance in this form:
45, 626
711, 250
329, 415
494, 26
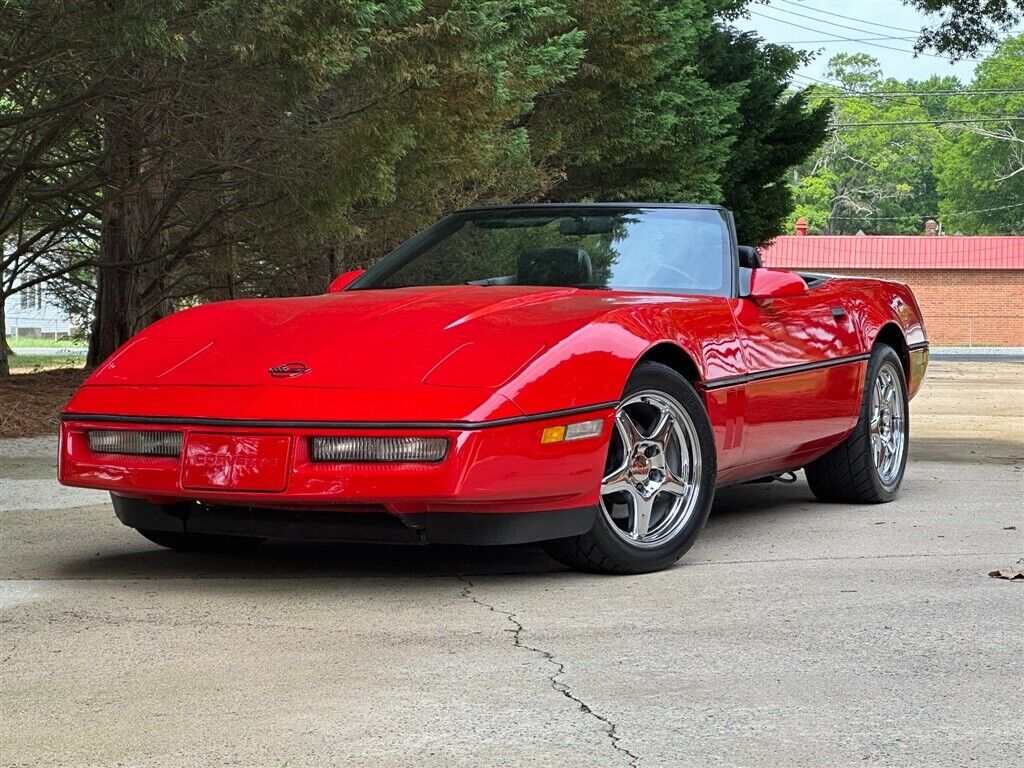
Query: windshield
678, 250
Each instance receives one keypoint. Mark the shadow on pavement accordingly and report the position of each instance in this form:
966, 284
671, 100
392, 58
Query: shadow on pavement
966, 450
279, 560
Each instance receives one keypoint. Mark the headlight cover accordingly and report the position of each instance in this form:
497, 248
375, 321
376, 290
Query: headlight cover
378, 449
135, 442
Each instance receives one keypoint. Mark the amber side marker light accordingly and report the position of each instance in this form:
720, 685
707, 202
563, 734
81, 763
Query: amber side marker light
566, 432
135, 442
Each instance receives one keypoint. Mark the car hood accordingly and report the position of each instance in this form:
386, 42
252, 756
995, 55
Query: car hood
465, 336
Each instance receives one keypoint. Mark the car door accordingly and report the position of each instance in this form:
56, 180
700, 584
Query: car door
805, 371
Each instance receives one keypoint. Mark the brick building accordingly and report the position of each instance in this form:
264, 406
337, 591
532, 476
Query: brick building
971, 289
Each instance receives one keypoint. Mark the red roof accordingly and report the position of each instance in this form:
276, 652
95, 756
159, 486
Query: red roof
888, 252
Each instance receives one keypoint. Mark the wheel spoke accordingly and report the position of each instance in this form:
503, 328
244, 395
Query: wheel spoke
629, 432
640, 515
616, 484
675, 485
662, 432
890, 391
684, 462
617, 475
878, 449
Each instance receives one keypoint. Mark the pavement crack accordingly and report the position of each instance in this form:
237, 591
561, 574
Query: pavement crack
516, 631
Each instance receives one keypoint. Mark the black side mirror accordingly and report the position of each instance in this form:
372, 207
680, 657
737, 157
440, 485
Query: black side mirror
749, 257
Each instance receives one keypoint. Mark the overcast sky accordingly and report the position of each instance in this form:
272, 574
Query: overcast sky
877, 26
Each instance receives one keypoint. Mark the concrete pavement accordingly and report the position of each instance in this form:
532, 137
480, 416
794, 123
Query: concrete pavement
795, 633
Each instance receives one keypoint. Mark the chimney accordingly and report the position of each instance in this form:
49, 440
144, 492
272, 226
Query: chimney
931, 228
801, 227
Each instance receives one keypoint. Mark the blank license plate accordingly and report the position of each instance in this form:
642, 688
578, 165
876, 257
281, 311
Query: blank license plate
235, 462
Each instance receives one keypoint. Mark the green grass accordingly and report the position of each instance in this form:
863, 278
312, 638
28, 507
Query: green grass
25, 341
32, 363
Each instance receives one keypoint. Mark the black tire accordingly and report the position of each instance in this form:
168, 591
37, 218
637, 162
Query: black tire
848, 473
603, 549
200, 542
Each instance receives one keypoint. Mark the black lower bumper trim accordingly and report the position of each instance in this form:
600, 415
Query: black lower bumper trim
370, 526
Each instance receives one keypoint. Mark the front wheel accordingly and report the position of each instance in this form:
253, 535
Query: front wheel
658, 483
867, 467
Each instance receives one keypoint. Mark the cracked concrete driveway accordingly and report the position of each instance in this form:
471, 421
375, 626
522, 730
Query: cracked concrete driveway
795, 633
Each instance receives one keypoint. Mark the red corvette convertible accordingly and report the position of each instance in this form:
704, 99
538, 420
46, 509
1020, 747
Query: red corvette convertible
580, 375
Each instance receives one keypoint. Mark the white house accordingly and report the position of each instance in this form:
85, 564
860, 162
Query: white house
34, 312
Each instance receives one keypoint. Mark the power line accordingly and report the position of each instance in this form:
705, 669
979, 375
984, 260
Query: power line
840, 37
956, 121
911, 94
889, 123
847, 92
824, 82
833, 40
848, 18
929, 215
905, 96
829, 15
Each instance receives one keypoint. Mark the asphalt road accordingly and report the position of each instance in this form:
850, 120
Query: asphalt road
794, 634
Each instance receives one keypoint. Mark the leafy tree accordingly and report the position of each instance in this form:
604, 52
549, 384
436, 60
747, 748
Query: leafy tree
474, 72
637, 121
48, 149
981, 167
963, 27
207, 122
876, 173
773, 129
891, 170
231, 129
166, 153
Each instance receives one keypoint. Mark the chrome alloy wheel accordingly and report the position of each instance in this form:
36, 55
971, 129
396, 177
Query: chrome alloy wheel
651, 487
887, 428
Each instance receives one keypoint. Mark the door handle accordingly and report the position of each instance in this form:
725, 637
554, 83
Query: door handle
838, 313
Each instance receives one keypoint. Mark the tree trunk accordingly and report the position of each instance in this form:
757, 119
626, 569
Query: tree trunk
223, 269
5, 350
129, 279
111, 326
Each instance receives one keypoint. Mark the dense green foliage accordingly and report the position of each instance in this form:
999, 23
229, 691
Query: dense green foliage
161, 153
981, 169
769, 131
961, 27
903, 153
637, 122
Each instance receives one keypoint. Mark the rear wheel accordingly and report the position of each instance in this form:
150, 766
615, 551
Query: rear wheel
659, 479
200, 542
867, 467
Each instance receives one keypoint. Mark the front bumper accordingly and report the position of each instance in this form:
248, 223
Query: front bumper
367, 525
489, 469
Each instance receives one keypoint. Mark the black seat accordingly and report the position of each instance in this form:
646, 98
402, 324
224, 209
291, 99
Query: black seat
555, 266
749, 257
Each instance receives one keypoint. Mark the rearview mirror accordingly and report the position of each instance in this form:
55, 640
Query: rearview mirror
768, 284
342, 281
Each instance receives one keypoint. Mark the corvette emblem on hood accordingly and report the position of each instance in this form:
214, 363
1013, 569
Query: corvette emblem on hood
288, 370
